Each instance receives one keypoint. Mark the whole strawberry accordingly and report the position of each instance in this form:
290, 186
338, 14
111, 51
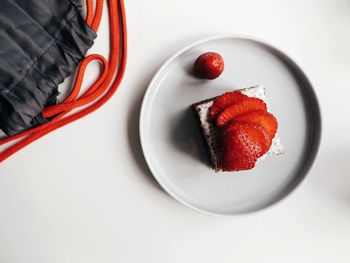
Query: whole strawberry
209, 65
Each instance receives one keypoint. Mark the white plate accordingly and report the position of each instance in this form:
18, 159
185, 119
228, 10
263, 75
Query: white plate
172, 144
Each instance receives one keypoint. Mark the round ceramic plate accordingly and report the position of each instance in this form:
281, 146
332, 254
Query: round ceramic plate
172, 143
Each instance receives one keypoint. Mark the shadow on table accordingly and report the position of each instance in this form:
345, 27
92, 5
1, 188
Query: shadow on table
331, 173
134, 137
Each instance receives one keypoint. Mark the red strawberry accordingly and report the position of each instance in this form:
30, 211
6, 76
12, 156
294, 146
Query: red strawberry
263, 118
209, 65
244, 143
239, 108
237, 163
251, 131
225, 100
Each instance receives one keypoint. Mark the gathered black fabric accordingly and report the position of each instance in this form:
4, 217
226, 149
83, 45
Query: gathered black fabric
41, 43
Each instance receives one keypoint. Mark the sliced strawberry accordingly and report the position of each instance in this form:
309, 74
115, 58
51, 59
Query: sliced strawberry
244, 143
225, 100
263, 118
249, 134
239, 108
239, 163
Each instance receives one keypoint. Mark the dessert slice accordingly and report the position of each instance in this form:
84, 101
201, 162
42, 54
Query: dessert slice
238, 129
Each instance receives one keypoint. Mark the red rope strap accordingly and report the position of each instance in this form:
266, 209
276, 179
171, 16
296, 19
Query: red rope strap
98, 94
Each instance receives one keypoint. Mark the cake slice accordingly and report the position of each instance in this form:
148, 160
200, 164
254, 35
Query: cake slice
211, 132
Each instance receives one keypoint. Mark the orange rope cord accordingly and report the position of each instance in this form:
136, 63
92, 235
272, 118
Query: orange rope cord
98, 16
114, 68
89, 12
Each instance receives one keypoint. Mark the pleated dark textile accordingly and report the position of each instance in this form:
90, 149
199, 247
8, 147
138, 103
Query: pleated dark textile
41, 43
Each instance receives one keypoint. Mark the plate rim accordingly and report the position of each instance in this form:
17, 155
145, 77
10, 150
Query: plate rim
258, 40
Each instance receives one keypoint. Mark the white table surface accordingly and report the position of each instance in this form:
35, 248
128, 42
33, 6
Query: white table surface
85, 194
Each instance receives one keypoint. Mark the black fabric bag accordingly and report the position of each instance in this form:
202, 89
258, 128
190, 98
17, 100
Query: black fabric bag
41, 43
